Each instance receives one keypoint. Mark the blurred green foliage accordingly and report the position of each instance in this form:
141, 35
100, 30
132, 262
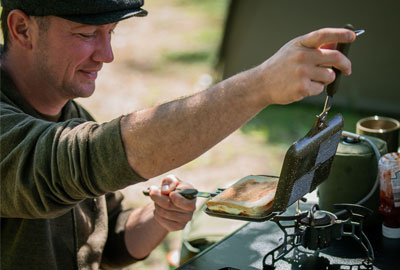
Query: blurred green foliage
203, 43
282, 125
190, 57
209, 7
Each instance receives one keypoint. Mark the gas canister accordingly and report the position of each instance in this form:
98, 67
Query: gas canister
353, 174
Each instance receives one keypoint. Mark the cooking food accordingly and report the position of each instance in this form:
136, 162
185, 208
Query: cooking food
250, 196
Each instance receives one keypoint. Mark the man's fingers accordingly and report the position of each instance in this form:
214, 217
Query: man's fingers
327, 57
181, 202
160, 199
315, 88
172, 211
178, 203
169, 184
174, 201
299, 68
168, 198
336, 59
330, 46
323, 75
318, 38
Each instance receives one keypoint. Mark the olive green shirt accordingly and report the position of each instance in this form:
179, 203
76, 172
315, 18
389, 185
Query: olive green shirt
59, 208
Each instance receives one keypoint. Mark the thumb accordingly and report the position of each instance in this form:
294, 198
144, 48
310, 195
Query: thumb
169, 184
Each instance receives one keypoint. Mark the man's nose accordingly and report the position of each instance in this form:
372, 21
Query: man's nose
103, 52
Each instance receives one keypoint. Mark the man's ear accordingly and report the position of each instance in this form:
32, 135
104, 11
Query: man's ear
20, 28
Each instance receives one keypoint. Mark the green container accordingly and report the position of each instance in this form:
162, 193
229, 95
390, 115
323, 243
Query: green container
352, 176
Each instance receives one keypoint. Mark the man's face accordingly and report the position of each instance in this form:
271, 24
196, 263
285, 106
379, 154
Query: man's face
69, 55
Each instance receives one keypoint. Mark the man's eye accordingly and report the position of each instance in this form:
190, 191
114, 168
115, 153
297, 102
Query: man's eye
87, 35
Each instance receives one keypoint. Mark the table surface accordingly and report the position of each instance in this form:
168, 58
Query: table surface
246, 248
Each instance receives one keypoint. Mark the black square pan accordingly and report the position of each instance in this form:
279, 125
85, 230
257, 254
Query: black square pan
307, 164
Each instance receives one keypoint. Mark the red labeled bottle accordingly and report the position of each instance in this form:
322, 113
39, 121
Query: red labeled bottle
389, 207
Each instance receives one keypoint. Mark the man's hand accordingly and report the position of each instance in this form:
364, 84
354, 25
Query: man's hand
172, 211
301, 67
147, 226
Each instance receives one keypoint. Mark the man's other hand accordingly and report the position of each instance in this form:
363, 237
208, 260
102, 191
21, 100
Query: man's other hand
172, 211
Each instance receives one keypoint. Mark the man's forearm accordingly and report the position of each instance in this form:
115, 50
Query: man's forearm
167, 136
161, 138
142, 232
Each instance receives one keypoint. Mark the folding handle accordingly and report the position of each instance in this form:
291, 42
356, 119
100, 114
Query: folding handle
332, 88
189, 193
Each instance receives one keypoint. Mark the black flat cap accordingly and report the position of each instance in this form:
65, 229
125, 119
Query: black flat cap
95, 12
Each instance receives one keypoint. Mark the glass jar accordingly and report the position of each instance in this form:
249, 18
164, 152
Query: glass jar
389, 207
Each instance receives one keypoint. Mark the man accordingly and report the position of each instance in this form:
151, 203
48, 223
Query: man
60, 170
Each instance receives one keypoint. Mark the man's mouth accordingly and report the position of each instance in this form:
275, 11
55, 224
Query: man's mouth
90, 74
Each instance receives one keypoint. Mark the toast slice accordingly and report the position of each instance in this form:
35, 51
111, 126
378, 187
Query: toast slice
250, 196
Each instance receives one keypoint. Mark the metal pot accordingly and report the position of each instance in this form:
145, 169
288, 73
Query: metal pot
352, 176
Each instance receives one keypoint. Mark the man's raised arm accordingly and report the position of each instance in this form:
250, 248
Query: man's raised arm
164, 137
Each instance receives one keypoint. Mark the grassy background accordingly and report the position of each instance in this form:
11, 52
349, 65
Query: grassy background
282, 125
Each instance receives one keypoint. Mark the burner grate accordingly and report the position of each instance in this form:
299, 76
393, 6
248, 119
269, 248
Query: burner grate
310, 231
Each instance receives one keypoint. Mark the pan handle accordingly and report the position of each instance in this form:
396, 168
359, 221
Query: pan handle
332, 88
189, 193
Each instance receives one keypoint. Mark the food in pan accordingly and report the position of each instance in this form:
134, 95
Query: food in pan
250, 196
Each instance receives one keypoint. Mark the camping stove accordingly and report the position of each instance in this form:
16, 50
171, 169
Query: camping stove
311, 231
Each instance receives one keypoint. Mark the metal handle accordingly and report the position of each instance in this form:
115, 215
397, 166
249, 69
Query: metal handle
189, 193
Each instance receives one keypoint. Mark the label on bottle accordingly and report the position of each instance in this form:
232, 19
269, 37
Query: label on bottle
389, 207
396, 189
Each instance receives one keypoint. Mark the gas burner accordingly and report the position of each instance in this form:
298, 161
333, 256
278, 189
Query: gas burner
310, 231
